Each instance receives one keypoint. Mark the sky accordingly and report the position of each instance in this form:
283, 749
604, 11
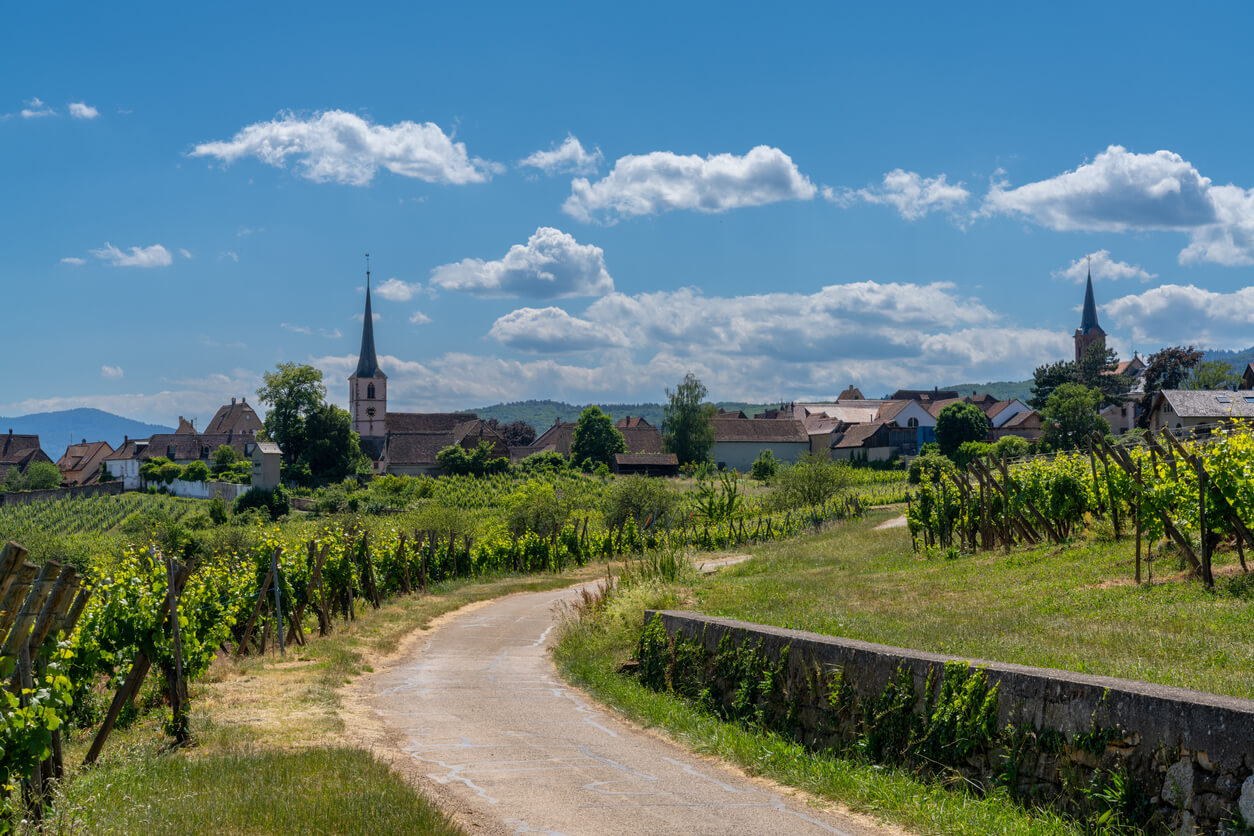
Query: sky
580, 203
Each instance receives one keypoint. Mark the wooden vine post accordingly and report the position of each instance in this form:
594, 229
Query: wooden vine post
177, 688
278, 601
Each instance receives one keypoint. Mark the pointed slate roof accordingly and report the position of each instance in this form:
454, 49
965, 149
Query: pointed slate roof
1088, 321
367, 363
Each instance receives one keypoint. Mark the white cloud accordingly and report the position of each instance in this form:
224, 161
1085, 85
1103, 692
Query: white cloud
184, 253
154, 256
551, 265
1120, 191
111, 372
81, 110
344, 148
551, 329
568, 158
395, 290
911, 194
331, 333
419, 318
35, 109
662, 181
74, 260
1174, 314
296, 329
1103, 267
225, 254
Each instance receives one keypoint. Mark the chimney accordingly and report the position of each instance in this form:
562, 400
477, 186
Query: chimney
243, 399
125, 438
232, 401
84, 441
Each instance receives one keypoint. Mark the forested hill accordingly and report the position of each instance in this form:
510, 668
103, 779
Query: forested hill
1003, 390
57, 430
542, 414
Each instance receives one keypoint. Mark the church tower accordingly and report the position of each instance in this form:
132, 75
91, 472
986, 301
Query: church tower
1089, 331
368, 387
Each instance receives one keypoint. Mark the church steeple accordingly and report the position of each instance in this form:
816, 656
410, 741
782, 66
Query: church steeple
1089, 331
367, 363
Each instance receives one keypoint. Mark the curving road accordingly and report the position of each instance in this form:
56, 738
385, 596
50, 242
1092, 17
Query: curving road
480, 711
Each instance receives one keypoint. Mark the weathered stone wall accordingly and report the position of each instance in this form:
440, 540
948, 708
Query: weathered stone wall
27, 497
1191, 753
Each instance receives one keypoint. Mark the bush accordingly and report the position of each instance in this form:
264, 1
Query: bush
811, 481
538, 507
195, 472
969, 451
40, 476
931, 466
644, 500
764, 467
274, 502
1012, 447
456, 461
547, 462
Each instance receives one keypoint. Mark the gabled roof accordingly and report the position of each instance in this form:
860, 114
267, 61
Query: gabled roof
425, 422
77, 456
558, 438
1208, 403
857, 436
1020, 419
760, 430
851, 394
923, 395
185, 427
237, 416
630, 422
16, 448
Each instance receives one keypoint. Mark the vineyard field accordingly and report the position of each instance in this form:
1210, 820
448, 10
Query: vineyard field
89, 515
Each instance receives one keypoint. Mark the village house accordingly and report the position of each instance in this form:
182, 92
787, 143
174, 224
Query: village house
20, 451
640, 437
739, 440
1199, 410
81, 463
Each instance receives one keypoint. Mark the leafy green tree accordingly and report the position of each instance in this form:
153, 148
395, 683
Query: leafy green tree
596, 439
647, 501
765, 466
687, 430
1047, 378
1213, 374
930, 465
957, 423
455, 460
195, 472
40, 476
1168, 368
1012, 447
332, 450
1096, 370
969, 451
811, 481
1071, 415
224, 457
292, 392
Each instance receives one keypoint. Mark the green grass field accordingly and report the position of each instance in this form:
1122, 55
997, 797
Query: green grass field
1072, 607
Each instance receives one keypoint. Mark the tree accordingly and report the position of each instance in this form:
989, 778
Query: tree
1096, 370
596, 439
957, 423
224, 457
1070, 415
1167, 369
292, 392
454, 460
765, 466
1047, 378
687, 430
1213, 374
515, 433
332, 451
811, 481
196, 471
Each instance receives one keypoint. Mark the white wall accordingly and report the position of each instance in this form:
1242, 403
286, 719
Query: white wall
739, 455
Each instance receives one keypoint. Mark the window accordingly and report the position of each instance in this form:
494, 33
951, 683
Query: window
370, 391
913, 423
1224, 399
1249, 399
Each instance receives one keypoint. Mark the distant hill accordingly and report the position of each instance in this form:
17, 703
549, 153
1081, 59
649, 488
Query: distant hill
57, 430
542, 414
1237, 359
1003, 390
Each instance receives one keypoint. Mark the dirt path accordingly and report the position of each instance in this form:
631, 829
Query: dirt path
474, 711
895, 522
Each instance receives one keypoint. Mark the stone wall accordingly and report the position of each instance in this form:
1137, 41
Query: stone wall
1191, 753
27, 497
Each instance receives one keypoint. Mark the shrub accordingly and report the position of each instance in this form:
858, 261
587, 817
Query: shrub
932, 466
40, 476
811, 481
647, 501
1012, 447
195, 472
536, 506
765, 466
546, 462
969, 451
274, 502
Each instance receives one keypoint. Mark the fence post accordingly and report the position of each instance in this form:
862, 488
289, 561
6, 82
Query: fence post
278, 601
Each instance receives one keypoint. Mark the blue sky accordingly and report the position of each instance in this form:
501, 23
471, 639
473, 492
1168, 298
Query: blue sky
583, 204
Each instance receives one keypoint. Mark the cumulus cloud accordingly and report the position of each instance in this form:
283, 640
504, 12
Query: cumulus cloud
568, 158
1174, 314
82, 110
551, 265
74, 261
111, 372
36, 109
419, 318
1102, 267
343, 147
154, 256
395, 290
184, 253
1121, 191
551, 329
661, 181
911, 194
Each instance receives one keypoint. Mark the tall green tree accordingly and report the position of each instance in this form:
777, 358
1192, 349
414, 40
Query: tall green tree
332, 451
1096, 370
291, 393
687, 430
1168, 369
1047, 378
596, 439
1213, 374
1070, 415
960, 422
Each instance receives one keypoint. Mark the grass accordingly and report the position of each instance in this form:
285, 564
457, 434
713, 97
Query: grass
590, 651
271, 753
1072, 607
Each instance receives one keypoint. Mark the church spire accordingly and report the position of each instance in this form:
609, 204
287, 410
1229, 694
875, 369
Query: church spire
367, 363
1088, 321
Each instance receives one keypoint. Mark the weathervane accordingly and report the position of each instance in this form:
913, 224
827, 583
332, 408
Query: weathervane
367, 271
